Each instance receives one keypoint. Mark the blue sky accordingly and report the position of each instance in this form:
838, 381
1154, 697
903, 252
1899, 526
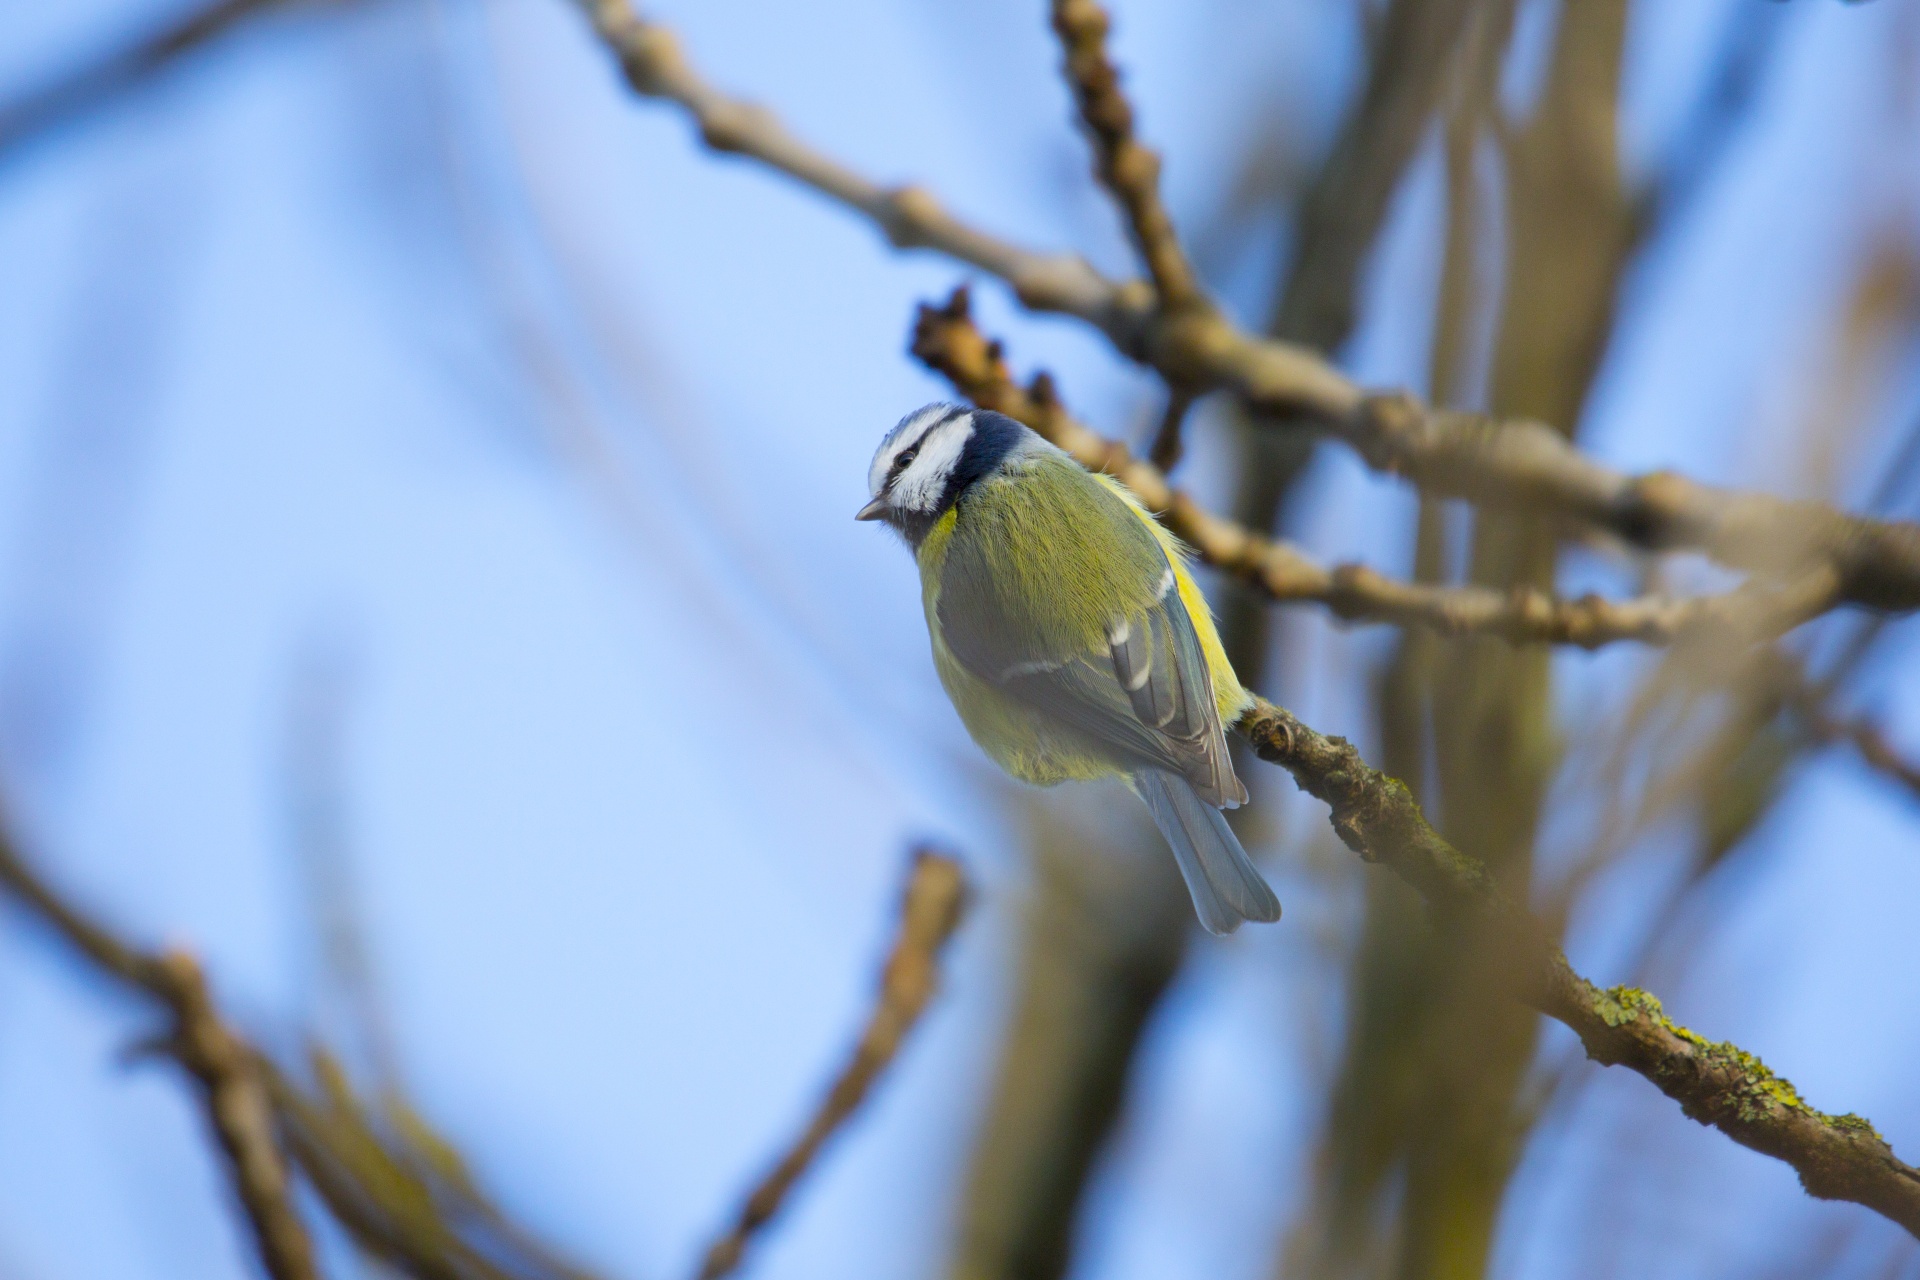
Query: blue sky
395, 342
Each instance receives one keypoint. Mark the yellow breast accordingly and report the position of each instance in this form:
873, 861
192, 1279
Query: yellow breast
1022, 741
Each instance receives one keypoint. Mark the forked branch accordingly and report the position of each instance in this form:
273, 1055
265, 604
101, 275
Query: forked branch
930, 910
1502, 463
232, 1090
946, 340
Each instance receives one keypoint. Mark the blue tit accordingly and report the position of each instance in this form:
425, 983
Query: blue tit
1069, 634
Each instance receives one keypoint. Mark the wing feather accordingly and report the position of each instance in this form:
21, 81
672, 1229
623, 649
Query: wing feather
1137, 685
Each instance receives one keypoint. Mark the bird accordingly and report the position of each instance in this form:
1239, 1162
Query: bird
1069, 634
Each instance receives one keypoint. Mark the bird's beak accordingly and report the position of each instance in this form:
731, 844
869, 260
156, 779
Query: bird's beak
873, 510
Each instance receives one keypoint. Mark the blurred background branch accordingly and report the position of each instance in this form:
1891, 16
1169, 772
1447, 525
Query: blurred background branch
1837, 1157
1628, 723
232, 1090
1504, 461
930, 910
401, 1190
81, 92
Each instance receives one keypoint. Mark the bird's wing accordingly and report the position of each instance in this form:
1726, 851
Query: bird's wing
1131, 674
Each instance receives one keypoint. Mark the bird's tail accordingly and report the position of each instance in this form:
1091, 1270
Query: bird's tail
1226, 886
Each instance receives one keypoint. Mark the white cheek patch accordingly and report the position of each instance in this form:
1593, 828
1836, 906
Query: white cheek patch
902, 436
921, 484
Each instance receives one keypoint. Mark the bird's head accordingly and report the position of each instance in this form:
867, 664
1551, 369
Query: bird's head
927, 461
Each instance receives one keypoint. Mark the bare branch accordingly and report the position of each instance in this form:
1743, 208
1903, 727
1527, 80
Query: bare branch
399, 1189
909, 217
243, 1120
946, 339
1126, 167
1837, 1157
1413, 58
1513, 464
84, 90
1751, 43
400, 1194
1809, 700
1505, 463
1870, 741
930, 911
1169, 442
235, 1097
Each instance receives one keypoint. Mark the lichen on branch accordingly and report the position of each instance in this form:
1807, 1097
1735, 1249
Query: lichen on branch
1838, 1157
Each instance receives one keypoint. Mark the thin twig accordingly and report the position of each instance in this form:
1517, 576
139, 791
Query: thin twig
930, 910
377, 1191
379, 1187
1748, 50
242, 1116
1506, 463
910, 217
1169, 442
91, 86
1809, 700
1837, 1157
235, 1096
1126, 167
946, 339
1410, 66
1871, 742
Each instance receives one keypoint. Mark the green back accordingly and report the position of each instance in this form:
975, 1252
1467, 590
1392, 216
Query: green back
1039, 563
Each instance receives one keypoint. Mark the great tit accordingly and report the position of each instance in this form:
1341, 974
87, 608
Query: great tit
1069, 634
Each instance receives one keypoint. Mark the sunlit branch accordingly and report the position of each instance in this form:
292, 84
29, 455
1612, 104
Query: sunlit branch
946, 339
1505, 463
1125, 166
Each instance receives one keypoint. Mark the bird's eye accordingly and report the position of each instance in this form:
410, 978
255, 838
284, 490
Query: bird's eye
905, 459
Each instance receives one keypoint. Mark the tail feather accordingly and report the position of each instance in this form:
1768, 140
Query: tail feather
1226, 887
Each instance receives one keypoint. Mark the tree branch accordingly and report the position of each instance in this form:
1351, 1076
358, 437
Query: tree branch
405, 1196
232, 1091
1809, 700
1169, 441
1837, 1157
1511, 463
946, 339
1506, 463
402, 1192
1126, 167
1411, 62
37, 113
910, 217
398, 1188
930, 911
1870, 741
